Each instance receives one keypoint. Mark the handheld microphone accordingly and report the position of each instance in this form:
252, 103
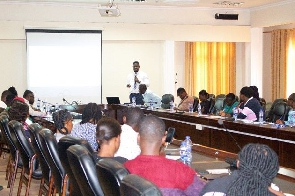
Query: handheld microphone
230, 161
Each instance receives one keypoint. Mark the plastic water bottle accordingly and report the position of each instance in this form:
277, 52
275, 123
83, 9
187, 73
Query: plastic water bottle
188, 143
261, 113
38, 104
56, 107
171, 106
151, 104
133, 101
235, 113
199, 109
190, 108
182, 152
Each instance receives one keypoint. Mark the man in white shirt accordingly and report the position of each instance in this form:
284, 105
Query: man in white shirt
29, 99
149, 97
129, 148
134, 79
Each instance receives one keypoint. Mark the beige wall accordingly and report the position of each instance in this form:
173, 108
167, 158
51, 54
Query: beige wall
125, 39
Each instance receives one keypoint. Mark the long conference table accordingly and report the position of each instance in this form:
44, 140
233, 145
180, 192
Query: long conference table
215, 139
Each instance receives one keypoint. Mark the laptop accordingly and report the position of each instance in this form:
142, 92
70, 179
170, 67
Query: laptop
113, 100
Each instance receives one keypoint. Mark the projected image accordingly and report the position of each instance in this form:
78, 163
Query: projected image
65, 65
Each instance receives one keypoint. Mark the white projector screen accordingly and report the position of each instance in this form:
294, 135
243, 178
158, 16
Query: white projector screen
64, 64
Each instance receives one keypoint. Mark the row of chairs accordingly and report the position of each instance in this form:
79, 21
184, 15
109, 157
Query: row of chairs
67, 167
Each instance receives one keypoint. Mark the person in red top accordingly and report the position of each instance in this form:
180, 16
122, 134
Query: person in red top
172, 177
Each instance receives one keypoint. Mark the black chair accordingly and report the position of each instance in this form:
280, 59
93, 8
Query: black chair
166, 99
63, 144
211, 108
15, 161
114, 172
218, 105
270, 115
196, 103
30, 165
49, 146
279, 111
46, 186
84, 170
137, 186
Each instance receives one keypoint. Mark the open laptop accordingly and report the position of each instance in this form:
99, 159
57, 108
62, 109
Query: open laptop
113, 100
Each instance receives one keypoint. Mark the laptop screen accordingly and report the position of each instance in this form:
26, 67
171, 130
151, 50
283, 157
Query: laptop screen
113, 100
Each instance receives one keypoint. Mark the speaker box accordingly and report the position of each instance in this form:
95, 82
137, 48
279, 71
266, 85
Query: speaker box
227, 16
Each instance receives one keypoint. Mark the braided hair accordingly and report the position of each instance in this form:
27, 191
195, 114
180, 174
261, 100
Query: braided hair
18, 111
60, 118
91, 112
258, 167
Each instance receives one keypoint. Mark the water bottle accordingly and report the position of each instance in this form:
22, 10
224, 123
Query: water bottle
182, 152
56, 107
190, 108
199, 109
151, 104
261, 113
235, 113
171, 106
38, 104
188, 143
133, 101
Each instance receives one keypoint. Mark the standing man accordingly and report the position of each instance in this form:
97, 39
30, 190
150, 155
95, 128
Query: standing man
149, 96
29, 100
134, 80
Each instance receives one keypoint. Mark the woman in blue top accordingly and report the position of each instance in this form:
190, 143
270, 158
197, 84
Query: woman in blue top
230, 104
291, 114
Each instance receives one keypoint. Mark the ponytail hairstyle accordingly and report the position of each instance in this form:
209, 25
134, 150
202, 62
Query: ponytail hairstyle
60, 118
258, 166
107, 128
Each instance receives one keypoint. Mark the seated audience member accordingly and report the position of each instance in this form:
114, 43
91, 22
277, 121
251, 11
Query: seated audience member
172, 177
63, 122
250, 107
230, 104
3, 103
86, 129
149, 96
257, 167
19, 111
291, 114
13, 91
185, 100
128, 146
108, 133
205, 103
30, 99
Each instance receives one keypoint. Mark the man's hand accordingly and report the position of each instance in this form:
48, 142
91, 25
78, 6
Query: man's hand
136, 79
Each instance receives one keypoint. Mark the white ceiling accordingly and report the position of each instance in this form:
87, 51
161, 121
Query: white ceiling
247, 4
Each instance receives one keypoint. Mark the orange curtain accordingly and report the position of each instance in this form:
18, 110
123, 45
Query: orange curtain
210, 66
282, 60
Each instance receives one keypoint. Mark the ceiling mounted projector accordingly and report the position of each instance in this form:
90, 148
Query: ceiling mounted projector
109, 11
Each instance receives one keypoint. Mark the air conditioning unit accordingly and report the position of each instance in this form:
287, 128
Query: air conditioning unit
109, 11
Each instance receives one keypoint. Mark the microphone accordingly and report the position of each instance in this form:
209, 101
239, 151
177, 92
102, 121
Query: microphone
64, 100
230, 161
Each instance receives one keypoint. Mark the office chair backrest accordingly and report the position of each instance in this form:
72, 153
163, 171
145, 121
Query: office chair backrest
35, 128
63, 144
166, 99
81, 162
137, 186
49, 146
110, 174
